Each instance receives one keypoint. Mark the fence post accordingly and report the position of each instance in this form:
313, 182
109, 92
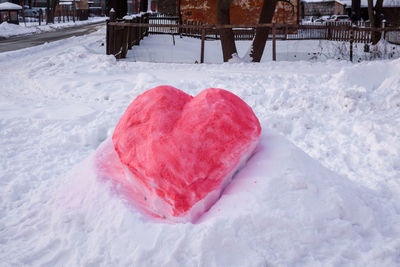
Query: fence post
329, 31
110, 36
140, 28
351, 43
273, 42
125, 41
112, 15
137, 32
147, 21
40, 16
383, 29
286, 32
203, 37
131, 33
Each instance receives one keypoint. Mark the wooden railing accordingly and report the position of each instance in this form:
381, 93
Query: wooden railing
122, 35
120, 38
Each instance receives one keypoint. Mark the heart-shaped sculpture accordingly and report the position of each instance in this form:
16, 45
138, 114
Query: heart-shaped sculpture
180, 152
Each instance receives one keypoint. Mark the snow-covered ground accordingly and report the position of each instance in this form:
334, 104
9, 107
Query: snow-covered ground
187, 50
322, 190
9, 29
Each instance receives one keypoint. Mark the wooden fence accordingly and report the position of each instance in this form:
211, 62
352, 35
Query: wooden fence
120, 38
163, 20
122, 35
62, 15
336, 31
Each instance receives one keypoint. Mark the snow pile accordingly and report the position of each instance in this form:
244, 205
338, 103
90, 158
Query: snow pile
322, 189
283, 208
9, 29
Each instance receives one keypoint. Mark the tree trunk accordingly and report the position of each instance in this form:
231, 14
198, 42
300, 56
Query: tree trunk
51, 5
179, 12
226, 35
53, 10
47, 11
143, 5
371, 13
267, 13
355, 10
375, 15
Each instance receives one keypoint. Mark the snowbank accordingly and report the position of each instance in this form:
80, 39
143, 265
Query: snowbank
323, 188
283, 208
9, 29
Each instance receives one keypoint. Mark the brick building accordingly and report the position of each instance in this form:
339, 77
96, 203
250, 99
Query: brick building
242, 11
321, 8
391, 10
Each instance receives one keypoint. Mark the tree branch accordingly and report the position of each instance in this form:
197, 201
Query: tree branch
290, 3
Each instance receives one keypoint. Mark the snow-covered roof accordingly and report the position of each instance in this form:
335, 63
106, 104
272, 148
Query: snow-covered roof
316, 1
364, 3
65, 2
9, 6
386, 3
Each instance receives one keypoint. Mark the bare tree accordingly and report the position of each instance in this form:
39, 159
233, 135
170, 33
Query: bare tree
178, 10
143, 5
47, 11
53, 9
375, 14
355, 10
168, 7
226, 35
260, 39
50, 10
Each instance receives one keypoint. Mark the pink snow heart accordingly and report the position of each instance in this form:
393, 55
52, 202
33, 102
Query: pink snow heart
179, 152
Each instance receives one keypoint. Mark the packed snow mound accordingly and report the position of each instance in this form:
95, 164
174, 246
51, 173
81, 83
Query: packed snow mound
283, 208
179, 152
10, 29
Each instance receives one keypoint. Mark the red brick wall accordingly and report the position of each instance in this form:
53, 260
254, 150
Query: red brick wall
242, 11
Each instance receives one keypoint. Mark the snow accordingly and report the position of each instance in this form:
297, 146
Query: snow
187, 50
9, 29
322, 189
9, 6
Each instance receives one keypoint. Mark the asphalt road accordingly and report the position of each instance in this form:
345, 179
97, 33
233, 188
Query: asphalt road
19, 42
